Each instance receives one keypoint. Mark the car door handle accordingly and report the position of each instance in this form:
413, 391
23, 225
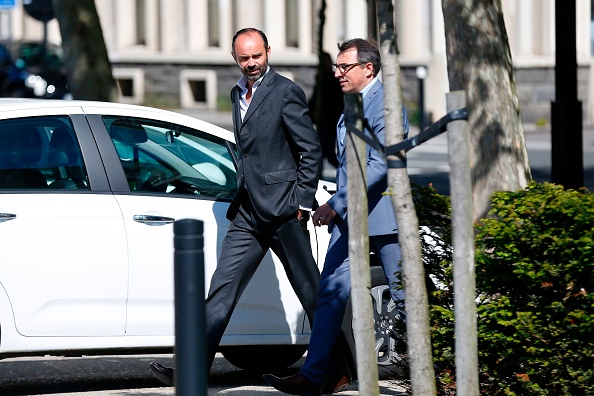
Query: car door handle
6, 216
153, 220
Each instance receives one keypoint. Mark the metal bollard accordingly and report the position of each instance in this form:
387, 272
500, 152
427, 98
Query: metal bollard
190, 318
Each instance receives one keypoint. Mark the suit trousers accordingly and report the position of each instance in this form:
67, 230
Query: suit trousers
335, 288
245, 244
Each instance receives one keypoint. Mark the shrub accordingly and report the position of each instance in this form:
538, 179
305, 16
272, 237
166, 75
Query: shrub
534, 277
535, 280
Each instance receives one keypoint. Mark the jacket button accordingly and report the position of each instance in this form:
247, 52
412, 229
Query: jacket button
244, 155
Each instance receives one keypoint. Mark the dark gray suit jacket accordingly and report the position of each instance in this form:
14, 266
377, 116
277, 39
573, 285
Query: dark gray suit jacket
279, 151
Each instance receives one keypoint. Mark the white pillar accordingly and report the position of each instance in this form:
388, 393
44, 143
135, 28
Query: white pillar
226, 24
274, 25
412, 17
173, 25
524, 40
437, 83
198, 26
334, 27
152, 25
306, 28
355, 19
583, 30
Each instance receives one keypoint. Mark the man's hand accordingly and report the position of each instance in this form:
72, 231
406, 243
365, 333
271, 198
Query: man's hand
323, 215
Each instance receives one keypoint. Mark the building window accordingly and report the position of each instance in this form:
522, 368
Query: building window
292, 23
140, 22
130, 84
214, 37
198, 89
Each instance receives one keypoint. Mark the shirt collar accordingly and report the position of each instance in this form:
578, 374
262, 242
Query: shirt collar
242, 82
368, 87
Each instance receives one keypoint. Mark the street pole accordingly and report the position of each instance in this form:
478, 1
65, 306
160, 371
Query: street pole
190, 317
567, 161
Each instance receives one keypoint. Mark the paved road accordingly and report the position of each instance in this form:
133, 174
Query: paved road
130, 376
429, 162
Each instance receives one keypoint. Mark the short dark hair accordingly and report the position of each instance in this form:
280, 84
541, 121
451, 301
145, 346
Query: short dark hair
367, 51
249, 30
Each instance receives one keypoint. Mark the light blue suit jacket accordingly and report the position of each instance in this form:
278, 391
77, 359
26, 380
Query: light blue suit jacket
382, 219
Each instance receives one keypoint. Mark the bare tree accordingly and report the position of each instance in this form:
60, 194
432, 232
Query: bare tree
85, 54
480, 63
417, 303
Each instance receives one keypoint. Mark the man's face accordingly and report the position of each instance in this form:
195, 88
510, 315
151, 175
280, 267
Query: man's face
354, 77
251, 56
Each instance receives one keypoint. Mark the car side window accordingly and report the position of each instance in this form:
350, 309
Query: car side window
165, 158
40, 153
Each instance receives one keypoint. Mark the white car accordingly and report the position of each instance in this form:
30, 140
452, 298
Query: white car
89, 192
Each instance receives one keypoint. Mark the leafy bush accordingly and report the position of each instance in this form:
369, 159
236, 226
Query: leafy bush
535, 267
535, 277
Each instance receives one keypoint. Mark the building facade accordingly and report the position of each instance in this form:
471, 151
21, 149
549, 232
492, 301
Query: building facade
176, 53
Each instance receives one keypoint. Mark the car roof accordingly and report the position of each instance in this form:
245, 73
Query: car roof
29, 107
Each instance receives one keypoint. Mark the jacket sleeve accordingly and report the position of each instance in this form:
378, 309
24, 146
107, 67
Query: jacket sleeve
304, 142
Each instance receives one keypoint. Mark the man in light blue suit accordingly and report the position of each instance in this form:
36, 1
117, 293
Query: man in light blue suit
356, 68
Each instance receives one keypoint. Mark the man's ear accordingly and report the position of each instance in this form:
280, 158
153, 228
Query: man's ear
369, 69
233, 55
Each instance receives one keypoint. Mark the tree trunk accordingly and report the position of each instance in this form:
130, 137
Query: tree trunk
467, 383
85, 54
480, 63
367, 371
420, 357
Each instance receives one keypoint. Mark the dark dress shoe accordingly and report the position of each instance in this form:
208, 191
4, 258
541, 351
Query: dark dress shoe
294, 385
163, 373
338, 386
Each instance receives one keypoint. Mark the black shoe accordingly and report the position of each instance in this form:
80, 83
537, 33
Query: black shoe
294, 385
338, 386
163, 373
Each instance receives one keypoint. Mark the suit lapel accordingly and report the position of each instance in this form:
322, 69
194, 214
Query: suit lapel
236, 110
341, 136
371, 95
261, 93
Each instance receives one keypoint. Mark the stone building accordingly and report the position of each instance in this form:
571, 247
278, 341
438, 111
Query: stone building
176, 53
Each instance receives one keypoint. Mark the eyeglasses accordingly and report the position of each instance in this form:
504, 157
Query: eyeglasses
344, 67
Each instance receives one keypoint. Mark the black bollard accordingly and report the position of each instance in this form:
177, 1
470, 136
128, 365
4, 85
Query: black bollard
190, 318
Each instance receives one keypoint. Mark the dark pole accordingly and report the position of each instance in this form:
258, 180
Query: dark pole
44, 49
190, 329
567, 163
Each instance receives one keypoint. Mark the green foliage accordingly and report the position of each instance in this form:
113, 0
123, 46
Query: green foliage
534, 276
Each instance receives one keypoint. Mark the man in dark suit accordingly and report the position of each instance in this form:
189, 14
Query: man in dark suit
279, 159
358, 64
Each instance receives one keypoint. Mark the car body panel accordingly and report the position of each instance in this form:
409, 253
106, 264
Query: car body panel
74, 286
91, 269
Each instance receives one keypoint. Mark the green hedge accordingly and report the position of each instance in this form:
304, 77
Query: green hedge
535, 278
